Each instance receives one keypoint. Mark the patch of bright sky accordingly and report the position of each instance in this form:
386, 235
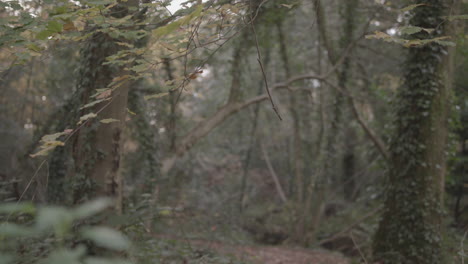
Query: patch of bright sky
175, 5
391, 31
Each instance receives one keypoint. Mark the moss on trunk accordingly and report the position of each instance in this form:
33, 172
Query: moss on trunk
410, 229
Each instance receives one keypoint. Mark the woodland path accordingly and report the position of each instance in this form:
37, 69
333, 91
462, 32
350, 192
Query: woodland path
266, 254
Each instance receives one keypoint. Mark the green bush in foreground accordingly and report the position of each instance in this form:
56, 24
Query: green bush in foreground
58, 235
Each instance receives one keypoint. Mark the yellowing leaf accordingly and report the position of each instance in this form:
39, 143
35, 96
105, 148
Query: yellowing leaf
164, 30
94, 103
165, 212
378, 35
79, 24
131, 112
104, 94
86, 117
53, 144
154, 96
410, 7
109, 120
53, 137
69, 26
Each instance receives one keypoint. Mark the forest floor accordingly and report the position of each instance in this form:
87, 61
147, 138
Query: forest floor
264, 254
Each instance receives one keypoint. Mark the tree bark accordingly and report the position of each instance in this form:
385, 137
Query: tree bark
97, 147
410, 229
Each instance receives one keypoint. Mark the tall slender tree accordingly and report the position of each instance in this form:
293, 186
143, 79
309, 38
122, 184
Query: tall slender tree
410, 229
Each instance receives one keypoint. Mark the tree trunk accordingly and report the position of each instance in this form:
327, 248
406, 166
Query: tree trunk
97, 147
410, 229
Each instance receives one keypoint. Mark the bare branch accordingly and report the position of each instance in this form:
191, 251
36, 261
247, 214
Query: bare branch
259, 59
279, 189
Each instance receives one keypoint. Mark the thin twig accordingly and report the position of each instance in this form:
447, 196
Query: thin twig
273, 175
259, 59
462, 248
350, 227
357, 247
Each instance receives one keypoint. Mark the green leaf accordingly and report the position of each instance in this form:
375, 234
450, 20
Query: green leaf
68, 256
164, 30
451, 18
95, 260
34, 47
91, 208
107, 238
154, 96
6, 258
99, 2
410, 7
109, 120
15, 5
44, 34
14, 230
22, 207
446, 43
54, 26
139, 68
408, 30
54, 217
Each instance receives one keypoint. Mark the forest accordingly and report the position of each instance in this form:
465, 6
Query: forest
233, 131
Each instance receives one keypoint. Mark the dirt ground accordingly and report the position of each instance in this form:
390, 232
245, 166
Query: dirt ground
268, 254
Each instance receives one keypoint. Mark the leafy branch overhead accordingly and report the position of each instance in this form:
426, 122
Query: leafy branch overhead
410, 30
30, 35
413, 42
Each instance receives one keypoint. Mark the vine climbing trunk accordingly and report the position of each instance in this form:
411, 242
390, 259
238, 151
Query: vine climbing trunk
410, 229
97, 146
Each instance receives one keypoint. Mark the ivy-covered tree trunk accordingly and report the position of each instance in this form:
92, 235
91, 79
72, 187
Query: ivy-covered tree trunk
97, 147
410, 229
